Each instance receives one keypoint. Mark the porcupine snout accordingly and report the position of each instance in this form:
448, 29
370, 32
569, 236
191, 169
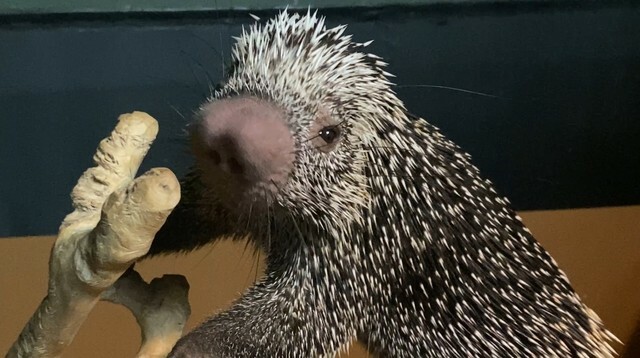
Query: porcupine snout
245, 148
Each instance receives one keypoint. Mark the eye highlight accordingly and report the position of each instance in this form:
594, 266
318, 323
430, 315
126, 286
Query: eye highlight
329, 134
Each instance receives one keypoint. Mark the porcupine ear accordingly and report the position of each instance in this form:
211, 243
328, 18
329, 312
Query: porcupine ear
187, 227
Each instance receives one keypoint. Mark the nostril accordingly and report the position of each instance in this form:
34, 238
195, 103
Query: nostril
234, 166
215, 156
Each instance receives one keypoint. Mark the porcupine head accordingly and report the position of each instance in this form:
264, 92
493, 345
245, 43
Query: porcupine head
376, 227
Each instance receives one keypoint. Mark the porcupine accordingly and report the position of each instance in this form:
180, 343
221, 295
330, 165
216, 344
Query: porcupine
375, 225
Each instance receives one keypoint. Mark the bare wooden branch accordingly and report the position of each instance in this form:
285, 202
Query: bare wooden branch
160, 307
113, 224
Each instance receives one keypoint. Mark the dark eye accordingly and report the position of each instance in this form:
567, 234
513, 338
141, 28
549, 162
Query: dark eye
329, 134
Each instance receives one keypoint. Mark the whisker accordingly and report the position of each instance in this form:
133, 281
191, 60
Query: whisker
391, 174
455, 89
206, 254
255, 278
268, 248
318, 135
300, 235
209, 83
246, 228
221, 55
367, 148
467, 91
209, 46
175, 109
194, 90
220, 40
237, 224
301, 150
296, 151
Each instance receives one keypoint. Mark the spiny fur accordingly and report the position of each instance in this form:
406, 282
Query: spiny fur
392, 237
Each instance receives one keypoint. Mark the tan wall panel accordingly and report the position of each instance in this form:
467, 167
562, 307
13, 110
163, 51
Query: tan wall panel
598, 248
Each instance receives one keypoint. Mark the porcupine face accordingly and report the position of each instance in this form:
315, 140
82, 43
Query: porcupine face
289, 128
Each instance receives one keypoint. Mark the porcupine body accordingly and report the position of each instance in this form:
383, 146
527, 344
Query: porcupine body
376, 226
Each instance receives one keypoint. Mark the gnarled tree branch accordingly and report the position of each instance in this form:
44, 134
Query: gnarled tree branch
114, 221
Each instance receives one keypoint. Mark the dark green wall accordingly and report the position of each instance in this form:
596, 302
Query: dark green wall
560, 129
127, 6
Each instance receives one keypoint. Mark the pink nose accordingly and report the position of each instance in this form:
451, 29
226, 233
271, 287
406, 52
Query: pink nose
245, 143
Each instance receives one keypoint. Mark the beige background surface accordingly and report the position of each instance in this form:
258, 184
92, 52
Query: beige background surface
598, 248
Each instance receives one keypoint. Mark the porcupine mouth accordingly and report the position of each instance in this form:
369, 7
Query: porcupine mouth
241, 195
